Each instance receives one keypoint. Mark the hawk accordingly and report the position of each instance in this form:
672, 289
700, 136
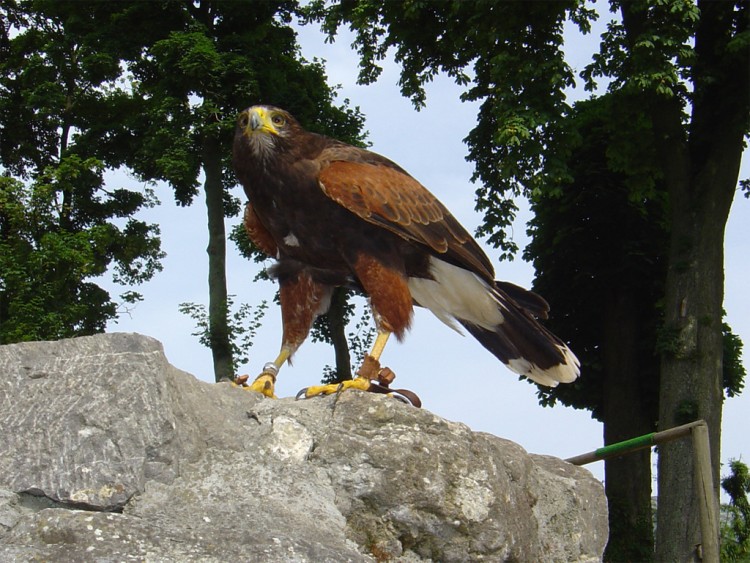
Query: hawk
332, 215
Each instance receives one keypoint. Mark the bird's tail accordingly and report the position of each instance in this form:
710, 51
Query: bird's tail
527, 348
503, 318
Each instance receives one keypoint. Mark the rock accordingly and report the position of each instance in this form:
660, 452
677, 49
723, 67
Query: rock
109, 453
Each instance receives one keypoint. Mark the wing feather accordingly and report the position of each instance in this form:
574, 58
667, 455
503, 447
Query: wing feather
381, 193
258, 233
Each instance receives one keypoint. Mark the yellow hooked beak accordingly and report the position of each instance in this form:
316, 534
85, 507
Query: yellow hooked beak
258, 119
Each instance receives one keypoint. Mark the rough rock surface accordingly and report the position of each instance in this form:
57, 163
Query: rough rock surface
109, 453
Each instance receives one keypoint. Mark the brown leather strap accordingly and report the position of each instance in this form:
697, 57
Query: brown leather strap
408, 395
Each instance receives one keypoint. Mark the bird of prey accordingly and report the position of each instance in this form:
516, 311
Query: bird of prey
332, 214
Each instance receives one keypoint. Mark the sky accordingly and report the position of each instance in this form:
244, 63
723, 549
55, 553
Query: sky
453, 375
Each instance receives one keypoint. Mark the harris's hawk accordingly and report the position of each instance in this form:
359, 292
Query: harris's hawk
332, 214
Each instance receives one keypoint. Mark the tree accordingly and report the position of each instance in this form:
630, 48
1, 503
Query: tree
195, 65
599, 254
243, 322
600, 239
700, 163
681, 59
735, 544
60, 227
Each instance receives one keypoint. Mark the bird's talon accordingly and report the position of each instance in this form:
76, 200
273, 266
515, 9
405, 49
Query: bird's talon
316, 390
263, 384
385, 377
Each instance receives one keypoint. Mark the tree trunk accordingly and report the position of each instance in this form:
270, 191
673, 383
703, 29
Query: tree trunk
4, 290
628, 478
337, 325
691, 374
221, 348
701, 171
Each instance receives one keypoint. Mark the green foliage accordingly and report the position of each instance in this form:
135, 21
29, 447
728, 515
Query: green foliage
510, 58
658, 58
687, 411
243, 323
160, 99
733, 369
668, 340
206, 63
61, 103
735, 528
45, 270
595, 240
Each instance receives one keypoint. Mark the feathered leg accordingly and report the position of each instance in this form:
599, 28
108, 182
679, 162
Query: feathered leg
302, 299
391, 304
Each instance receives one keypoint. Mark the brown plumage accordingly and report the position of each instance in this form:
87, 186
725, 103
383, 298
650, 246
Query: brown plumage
338, 215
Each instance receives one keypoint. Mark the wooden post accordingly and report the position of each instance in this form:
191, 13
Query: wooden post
635, 444
707, 502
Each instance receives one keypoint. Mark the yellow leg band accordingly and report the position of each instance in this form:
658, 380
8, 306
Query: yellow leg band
264, 383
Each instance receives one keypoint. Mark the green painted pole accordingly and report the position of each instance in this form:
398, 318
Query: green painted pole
707, 501
635, 444
638, 443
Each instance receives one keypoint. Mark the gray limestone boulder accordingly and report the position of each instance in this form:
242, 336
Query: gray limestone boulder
109, 453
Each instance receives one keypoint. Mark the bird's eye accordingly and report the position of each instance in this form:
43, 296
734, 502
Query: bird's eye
244, 120
278, 120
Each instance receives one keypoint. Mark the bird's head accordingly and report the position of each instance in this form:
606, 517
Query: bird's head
264, 129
